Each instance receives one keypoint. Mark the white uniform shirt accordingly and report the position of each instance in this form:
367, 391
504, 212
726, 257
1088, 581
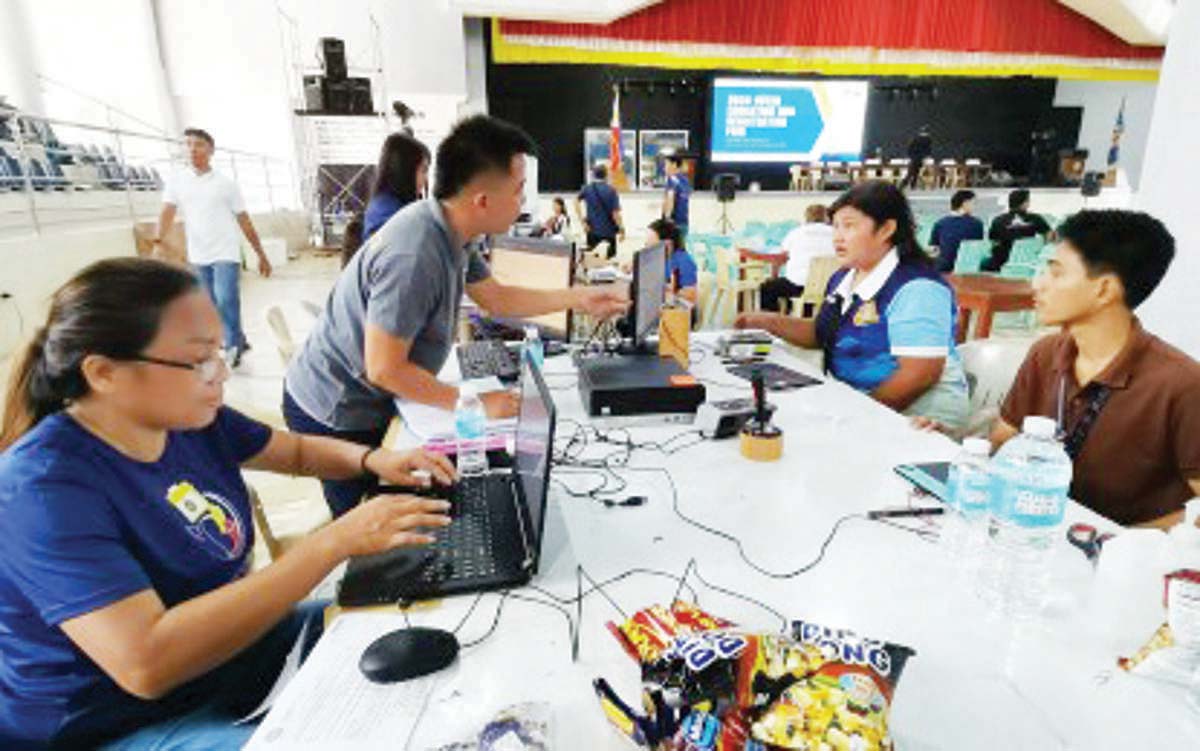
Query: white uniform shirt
806, 242
209, 204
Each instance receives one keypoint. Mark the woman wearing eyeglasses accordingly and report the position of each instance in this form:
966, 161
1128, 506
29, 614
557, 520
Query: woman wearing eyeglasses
129, 618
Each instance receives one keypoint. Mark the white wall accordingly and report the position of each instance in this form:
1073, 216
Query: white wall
104, 50
1168, 182
1101, 100
224, 62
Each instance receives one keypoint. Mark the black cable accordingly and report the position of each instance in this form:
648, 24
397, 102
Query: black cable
505, 595
737, 595
470, 610
737, 542
610, 581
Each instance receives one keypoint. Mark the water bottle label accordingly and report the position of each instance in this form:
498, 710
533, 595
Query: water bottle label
1036, 508
470, 426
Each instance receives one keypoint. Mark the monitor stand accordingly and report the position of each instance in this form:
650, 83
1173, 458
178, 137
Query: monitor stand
631, 347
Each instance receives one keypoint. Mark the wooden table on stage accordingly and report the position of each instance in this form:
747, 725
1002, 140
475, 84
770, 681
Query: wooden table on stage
987, 295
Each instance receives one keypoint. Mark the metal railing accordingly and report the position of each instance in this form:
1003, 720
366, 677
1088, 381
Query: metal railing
57, 173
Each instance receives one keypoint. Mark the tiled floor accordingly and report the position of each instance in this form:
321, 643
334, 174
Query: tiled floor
293, 505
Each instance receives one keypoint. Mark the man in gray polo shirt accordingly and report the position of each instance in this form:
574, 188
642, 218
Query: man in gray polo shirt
389, 324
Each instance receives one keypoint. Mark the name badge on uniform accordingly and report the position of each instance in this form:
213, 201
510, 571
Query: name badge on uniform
866, 314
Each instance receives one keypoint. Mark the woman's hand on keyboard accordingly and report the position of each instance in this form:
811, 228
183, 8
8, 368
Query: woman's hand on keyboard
387, 521
412, 468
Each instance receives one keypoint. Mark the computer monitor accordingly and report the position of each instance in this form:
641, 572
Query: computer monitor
539, 263
648, 291
533, 451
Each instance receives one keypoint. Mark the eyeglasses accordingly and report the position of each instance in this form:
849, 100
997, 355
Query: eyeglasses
208, 371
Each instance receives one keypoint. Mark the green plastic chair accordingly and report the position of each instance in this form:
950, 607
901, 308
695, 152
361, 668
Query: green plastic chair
1013, 270
925, 234
1027, 250
971, 255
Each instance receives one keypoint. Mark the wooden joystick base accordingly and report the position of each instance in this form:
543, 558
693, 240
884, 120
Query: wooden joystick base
762, 444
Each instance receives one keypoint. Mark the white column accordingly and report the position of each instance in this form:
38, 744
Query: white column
1169, 182
18, 71
147, 19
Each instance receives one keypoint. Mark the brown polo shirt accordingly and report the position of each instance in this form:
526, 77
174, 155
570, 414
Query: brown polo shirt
1145, 444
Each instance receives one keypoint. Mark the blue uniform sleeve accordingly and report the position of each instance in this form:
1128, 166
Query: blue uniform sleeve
920, 320
685, 267
65, 550
935, 238
244, 436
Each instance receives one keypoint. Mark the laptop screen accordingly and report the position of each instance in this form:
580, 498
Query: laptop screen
534, 446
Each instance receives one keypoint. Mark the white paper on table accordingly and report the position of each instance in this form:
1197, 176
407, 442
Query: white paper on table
331, 706
291, 666
427, 423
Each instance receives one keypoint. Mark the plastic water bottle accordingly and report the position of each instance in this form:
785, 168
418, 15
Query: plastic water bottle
970, 495
533, 346
470, 428
1032, 477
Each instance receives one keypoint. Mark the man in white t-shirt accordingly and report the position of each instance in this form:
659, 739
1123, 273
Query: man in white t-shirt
213, 212
806, 242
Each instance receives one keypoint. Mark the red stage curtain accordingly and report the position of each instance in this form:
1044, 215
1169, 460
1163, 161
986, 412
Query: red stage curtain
1038, 27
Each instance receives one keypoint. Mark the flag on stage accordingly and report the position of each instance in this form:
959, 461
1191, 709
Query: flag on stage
617, 177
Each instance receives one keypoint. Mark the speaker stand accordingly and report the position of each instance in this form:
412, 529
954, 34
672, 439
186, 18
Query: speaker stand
724, 225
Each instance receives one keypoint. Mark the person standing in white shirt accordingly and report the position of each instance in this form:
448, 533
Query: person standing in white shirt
806, 242
213, 211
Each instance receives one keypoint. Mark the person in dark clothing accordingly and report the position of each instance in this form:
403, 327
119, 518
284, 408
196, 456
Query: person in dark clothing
1014, 224
599, 208
950, 231
920, 148
401, 178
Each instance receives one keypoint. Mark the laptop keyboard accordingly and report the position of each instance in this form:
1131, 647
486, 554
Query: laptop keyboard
487, 357
465, 549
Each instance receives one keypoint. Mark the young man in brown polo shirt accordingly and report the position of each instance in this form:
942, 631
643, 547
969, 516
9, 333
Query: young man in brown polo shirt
1127, 403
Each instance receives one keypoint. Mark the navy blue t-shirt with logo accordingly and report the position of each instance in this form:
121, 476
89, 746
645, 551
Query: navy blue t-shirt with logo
683, 196
85, 526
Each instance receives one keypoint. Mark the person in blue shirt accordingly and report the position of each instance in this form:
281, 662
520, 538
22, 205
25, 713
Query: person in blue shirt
129, 615
682, 272
951, 230
599, 210
401, 177
677, 199
886, 324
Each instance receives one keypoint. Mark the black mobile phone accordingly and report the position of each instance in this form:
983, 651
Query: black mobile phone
932, 477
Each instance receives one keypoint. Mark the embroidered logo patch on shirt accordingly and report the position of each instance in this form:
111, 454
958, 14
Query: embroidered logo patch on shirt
211, 519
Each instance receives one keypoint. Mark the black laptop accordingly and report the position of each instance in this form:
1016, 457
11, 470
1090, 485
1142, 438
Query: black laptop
495, 536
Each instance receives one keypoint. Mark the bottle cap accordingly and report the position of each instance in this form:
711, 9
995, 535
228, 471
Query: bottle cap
977, 446
1039, 427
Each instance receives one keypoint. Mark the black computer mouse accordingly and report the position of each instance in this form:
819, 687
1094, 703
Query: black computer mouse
408, 653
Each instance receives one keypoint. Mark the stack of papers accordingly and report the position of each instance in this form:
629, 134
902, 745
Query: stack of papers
428, 423
330, 705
